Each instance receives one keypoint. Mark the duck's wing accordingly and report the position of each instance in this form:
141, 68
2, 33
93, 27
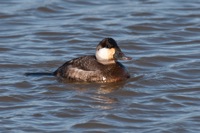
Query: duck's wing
80, 69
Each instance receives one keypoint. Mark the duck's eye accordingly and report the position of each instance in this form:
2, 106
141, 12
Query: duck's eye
107, 46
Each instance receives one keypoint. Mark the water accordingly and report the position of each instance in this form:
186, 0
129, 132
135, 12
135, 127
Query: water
161, 97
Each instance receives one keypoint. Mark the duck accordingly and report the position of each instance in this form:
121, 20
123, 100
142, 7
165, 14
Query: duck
102, 67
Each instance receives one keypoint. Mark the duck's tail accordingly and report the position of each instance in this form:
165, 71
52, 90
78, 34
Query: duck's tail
39, 74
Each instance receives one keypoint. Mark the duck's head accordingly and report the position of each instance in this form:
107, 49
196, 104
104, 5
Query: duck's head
107, 52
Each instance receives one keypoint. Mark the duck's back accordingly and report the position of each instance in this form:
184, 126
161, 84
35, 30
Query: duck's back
88, 69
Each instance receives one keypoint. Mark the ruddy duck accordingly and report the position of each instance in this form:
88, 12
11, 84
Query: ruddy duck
101, 67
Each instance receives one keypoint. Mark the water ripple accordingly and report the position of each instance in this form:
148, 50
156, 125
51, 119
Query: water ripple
161, 95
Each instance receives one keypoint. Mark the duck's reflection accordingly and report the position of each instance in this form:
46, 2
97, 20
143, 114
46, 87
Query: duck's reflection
98, 88
96, 95
101, 96
110, 87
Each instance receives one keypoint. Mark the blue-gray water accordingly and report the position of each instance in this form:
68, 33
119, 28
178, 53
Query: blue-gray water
162, 36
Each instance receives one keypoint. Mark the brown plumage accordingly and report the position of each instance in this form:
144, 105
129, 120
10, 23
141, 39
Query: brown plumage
88, 69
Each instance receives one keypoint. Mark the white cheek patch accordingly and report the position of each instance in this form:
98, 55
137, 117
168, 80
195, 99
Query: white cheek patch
103, 54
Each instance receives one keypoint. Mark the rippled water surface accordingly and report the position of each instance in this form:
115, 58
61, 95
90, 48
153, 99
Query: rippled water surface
162, 36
